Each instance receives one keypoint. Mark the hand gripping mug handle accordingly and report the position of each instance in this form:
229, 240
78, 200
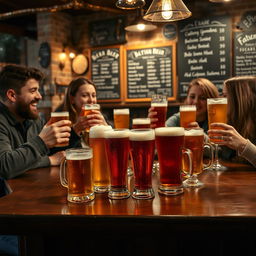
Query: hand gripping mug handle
189, 154
211, 160
63, 173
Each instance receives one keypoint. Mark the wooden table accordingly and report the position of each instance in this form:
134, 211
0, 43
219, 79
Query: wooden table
219, 218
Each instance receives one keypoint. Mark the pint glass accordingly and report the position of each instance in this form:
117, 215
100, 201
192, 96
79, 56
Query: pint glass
87, 110
140, 123
76, 175
194, 140
142, 147
217, 112
58, 116
159, 102
187, 115
169, 143
122, 118
100, 169
117, 147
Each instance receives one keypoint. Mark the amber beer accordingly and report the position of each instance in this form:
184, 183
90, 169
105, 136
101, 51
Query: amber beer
58, 116
159, 102
142, 148
187, 115
140, 123
77, 175
117, 147
217, 112
101, 171
87, 110
122, 118
169, 143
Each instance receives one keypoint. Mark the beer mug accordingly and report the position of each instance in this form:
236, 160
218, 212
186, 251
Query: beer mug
87, 110
160, 103
169, 144
58, 116
100, 167
122, 118
76, 174
194, 140
187, 115
142, 147
140, 123
117, 147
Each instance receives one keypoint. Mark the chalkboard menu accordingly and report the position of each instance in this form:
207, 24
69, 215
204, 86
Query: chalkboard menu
105, 72
149, 70
204, 51
245, 46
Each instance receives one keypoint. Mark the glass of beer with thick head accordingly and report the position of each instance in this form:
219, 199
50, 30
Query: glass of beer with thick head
217, 113
194, 140
58, 116
187, 115
142, 147
87, 110
122, 118
100, 169
117, 147
169, 144
160, 103
140, 123
76, 175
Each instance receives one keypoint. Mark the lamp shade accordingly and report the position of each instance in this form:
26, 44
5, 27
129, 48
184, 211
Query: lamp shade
167, 10
220, 1
140, 25
130, 4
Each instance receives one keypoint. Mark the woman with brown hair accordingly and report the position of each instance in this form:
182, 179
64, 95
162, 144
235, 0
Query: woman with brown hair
240, 133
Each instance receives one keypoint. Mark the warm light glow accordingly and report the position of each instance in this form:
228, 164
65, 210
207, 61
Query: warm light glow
62, 56
141, 26
166, 9
72, 55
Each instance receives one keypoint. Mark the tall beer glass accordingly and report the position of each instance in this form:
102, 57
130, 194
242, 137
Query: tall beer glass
159, 102
217, 112
194, 140
187, 115
140, 123
169, 144
117, 147
142, 146
122, 118
100, 170
58, 116
87, 110
76, 175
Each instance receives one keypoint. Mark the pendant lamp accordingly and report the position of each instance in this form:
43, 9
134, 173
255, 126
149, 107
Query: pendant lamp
130, 4
167, 10
220, 1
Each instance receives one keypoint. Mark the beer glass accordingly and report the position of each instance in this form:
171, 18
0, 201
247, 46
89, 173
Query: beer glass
217, 112
142, 147
58, 116
187, 115
140, 123
159, 102
117, 147
169, 144
122, 118
87, 110
100, 167
76, 175
194, 140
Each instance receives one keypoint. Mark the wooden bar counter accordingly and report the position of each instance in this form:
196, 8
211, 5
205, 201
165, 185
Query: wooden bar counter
217, 219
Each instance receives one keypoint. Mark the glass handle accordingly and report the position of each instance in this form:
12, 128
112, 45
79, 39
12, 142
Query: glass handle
63, 179
189, 153
211, 160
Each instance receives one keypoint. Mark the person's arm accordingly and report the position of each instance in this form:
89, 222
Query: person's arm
173, 121
249, 152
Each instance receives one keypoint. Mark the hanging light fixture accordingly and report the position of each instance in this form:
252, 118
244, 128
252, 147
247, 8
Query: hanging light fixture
130, 4
167, 10
140, 25
220, 1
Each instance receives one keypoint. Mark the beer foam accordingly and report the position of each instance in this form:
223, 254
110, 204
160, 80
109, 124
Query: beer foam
217, 101
97, 131
122, 111
117, 133
194, 132
75, 156
141, 121
91, 106
156, 104
170, 131
54, 114
188, 108
142, 135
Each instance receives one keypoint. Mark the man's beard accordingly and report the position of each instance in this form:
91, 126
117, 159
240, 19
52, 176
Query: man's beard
24, 111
